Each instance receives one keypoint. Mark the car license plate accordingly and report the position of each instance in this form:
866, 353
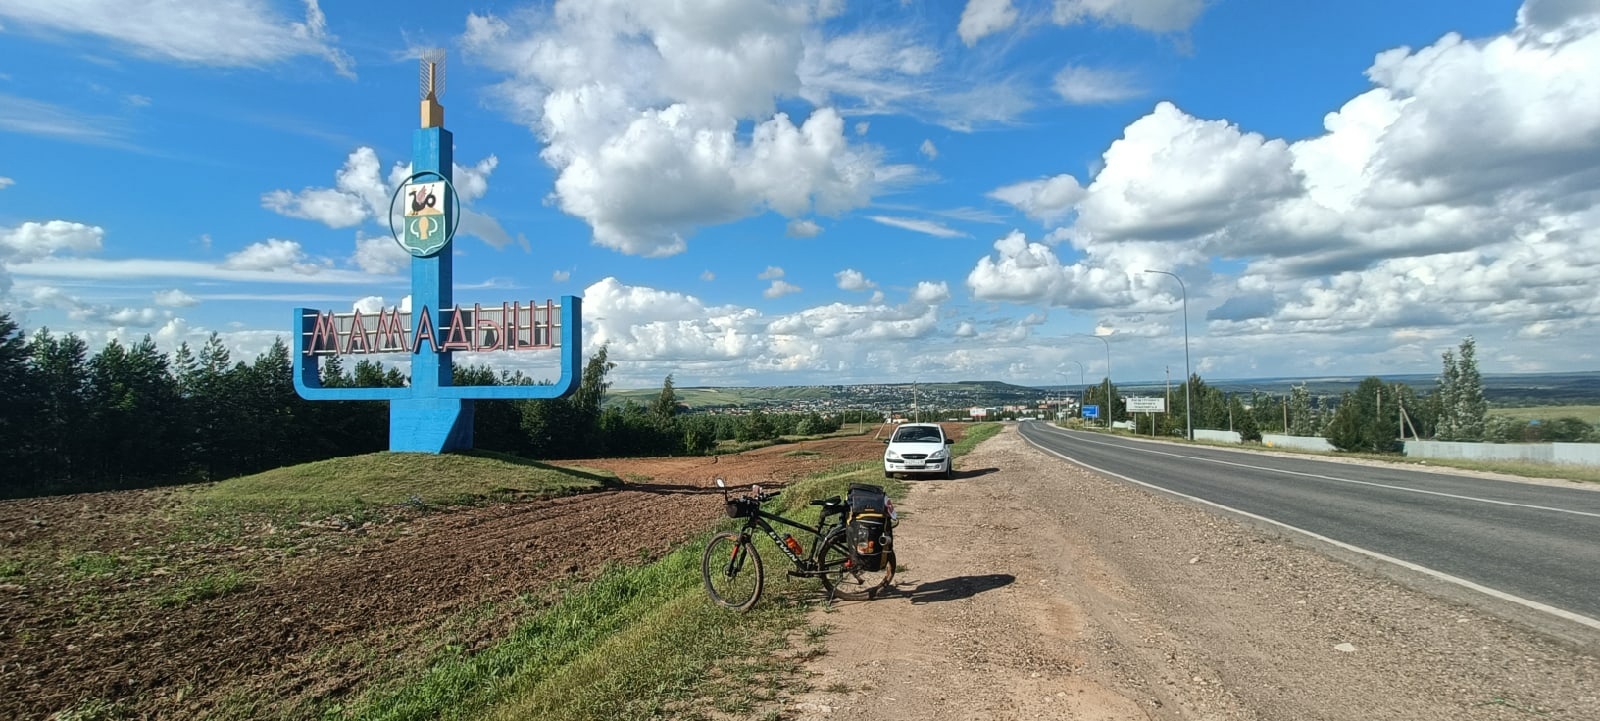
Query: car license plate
914, 467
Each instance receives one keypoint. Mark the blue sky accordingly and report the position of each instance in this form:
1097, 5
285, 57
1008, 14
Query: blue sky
832, 191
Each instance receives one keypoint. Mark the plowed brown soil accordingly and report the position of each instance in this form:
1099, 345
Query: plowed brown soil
365, 593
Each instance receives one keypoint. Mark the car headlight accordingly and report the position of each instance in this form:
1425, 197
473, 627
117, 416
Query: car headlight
891, 456
937, 455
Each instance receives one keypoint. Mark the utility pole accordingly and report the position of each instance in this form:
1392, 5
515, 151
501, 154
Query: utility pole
1379, 416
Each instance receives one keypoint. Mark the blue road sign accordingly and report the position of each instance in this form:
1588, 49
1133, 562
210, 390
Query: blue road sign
1091, 411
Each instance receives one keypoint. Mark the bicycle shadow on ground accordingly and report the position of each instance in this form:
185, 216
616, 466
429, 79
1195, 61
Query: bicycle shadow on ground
953, 589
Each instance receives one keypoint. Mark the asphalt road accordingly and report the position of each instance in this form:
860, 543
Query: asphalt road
1534, 542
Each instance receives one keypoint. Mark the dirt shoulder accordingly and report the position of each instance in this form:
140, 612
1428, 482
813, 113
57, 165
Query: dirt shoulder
1033, 588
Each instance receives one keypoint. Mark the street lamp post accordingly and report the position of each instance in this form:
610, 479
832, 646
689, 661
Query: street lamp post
1102, 339
1188, 380
1080, 373
1081, 384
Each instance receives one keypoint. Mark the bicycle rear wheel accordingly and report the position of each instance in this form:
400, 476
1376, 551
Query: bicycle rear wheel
843, 578
732, 571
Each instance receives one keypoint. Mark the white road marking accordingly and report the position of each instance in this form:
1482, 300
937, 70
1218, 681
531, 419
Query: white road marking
1440, 575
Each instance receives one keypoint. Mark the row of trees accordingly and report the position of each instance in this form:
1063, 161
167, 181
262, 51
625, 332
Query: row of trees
129, 415
1372, 418
583, 427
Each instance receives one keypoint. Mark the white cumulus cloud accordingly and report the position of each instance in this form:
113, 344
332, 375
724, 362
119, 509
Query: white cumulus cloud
930, 293
1047, 199
1172, 175
803, 228
623, 95
985, 17
852, 279
33, 240
274, 254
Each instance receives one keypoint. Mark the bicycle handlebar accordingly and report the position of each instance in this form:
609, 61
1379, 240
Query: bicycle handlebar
757, 498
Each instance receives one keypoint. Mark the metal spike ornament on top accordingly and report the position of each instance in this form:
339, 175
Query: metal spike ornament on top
431, 415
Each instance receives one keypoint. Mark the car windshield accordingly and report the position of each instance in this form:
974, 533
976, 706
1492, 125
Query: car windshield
917, 435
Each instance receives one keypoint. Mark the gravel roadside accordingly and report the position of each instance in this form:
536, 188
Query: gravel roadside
1033, 588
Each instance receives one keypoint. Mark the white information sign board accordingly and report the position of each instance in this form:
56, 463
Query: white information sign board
1147, 405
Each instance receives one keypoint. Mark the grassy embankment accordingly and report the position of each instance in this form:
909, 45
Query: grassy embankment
640, 642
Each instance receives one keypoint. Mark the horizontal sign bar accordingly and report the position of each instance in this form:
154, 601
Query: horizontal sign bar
509, 327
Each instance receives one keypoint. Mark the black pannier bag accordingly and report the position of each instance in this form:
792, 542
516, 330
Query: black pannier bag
868, 526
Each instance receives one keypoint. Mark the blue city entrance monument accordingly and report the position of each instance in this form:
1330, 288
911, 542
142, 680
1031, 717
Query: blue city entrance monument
432, 415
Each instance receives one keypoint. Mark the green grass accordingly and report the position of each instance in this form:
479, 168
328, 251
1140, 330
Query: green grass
92, 564
203, 588
1588, 414
976, 433
631, 644
355, 483
12, 568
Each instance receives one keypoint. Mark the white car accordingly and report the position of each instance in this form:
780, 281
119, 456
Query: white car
918, 448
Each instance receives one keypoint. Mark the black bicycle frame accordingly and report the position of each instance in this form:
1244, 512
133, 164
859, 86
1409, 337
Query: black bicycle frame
759, 518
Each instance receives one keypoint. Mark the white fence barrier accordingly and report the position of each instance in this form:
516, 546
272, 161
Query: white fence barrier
1308, 443
1570, 454
1222, 436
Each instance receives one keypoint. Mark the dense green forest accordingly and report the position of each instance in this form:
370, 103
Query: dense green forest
129, 416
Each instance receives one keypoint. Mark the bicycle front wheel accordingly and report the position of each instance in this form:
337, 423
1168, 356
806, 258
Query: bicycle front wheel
843, 578
732, 571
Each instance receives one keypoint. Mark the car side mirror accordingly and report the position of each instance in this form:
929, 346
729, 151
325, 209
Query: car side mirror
949, 441
886, 441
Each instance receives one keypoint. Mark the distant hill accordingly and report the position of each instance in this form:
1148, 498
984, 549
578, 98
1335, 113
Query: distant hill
1501, 389
839, 397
